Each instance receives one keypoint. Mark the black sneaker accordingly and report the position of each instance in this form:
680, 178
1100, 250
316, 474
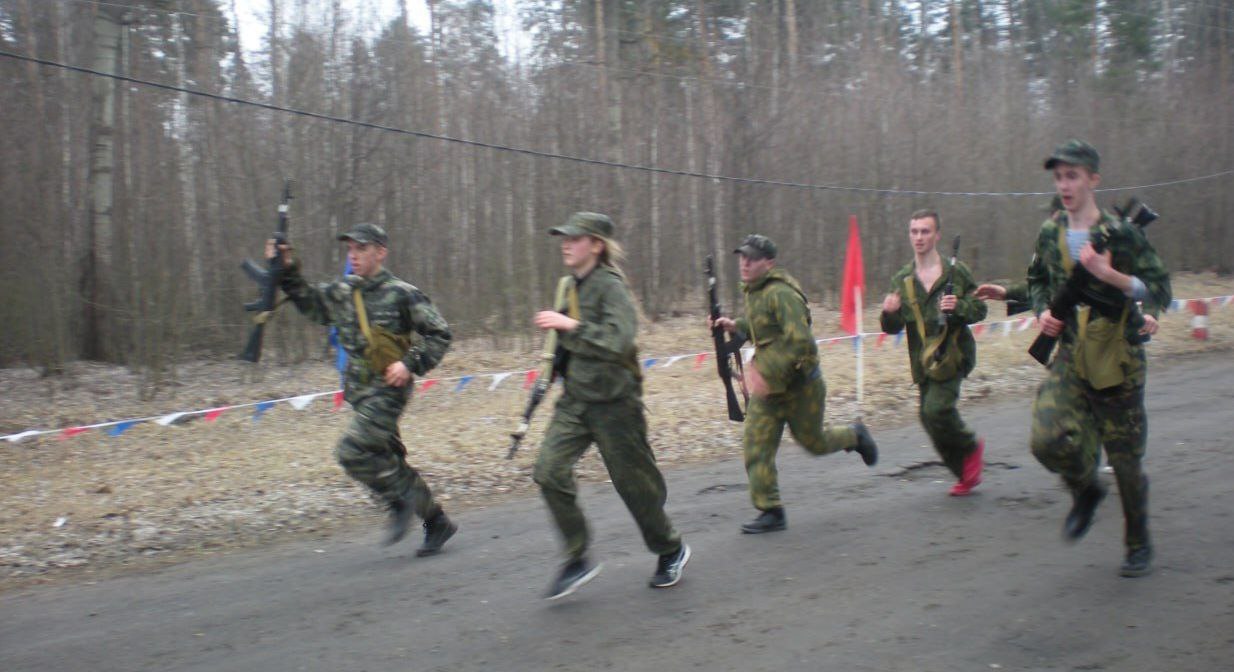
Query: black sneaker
668, 572
771, 520
866, 448
437, 530
1083, 511
1139, 562
398, 522
574, 575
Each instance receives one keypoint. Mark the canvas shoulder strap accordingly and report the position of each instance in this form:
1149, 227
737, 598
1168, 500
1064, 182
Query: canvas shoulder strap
910, 291
362, 316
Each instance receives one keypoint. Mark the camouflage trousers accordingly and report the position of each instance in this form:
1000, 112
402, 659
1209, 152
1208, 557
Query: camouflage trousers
372, 452
801, 407
1071, 421
619, 430
953, 440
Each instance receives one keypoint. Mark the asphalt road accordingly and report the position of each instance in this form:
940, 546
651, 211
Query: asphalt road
879, 570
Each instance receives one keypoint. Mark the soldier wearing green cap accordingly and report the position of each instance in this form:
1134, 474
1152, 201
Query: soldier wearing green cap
784, 379
376, 315
1094, 392
602, 404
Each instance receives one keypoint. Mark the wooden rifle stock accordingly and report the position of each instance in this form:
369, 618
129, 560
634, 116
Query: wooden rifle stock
545, 372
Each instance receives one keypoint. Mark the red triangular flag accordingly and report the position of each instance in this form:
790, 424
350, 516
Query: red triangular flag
531, 378
338, 400
698, 361
426, 384
854, 279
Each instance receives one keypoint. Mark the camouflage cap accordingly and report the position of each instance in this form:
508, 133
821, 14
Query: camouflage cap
1075, 153
366, 233
757, 246
585, 224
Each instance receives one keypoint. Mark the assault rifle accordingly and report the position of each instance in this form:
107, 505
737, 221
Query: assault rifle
550, 364
1082, 288
948, 290
728, 349
268, 280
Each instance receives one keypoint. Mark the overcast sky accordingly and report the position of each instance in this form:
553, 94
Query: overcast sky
254, 16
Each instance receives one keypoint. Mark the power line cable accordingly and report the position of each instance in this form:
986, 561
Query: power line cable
578, 159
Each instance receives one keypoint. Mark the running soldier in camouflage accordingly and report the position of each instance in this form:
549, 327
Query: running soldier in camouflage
367, 306
1094, 392
602, 404
784, 379
918, 297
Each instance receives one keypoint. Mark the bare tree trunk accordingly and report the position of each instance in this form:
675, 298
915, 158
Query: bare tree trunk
98, 266
957, 50
188, 169
790, 25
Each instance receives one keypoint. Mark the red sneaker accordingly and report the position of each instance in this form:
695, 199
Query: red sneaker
970, 472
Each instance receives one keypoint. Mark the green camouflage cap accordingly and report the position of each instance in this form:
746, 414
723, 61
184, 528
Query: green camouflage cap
366, 233
757, 246
1075, 153
585, 224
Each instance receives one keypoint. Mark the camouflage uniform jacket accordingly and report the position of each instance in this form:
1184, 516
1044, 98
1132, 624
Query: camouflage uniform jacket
1130, 250
390, 303
968, 311
777, 321
603, 357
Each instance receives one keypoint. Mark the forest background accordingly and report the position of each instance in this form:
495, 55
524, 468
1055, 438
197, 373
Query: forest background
129, 207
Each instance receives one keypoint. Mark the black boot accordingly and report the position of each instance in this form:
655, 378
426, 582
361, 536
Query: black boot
398, 522
1082, 511
866, 448
1139, 560
771, 520
437, 530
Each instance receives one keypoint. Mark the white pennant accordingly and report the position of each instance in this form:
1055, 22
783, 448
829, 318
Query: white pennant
301, 402
168, 419
747, 354
14, 438
1006, 328
673, 360
497, 378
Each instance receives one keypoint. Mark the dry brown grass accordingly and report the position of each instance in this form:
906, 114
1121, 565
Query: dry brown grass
156, 493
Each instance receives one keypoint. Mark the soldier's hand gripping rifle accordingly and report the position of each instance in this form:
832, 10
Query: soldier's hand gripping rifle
1082, 287
728, 350
268, 280
948, 290
549, 366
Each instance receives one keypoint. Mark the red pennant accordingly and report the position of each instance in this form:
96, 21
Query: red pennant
338, 400
978, 330
881, 337
854, 279
698, 361
72, 431
214, 414
530, 378
426, 384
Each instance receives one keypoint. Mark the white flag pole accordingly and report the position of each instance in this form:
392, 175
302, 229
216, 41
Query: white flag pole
860, 351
